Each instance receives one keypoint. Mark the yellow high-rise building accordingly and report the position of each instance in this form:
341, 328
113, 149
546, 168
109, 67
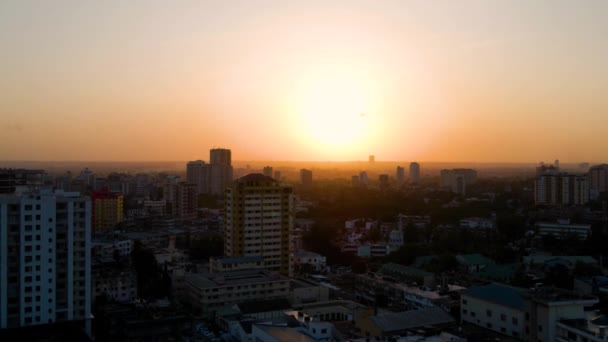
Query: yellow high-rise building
108, 210
259, 220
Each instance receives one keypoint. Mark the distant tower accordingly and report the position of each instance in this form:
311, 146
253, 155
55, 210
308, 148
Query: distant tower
400, 175
221, 170
355, 180
363, 178
372, 158
268, 171
557, 164
414, 173
306, 177
383, 180
277, 175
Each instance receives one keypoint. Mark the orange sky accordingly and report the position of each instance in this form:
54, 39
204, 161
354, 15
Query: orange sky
503, 81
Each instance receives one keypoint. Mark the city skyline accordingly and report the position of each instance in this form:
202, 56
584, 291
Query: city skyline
487, 81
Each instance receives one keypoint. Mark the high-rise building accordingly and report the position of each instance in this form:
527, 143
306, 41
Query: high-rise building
400, 175
598, 180
45, 258
220, 156
10, 179
306, 178
555, 188
259, 219
221, 170
383, 181
267, 171
184, 203
277, 175
108, 210
414, 173
363, 178
372, 158
355, 181
198, 172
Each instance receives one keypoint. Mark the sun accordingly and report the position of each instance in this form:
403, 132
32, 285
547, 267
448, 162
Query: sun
334, 113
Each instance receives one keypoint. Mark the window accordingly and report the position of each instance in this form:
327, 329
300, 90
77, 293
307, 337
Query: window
489, 313
540, 328
503, 317
514, 320
464, 301
503, 330
489, 325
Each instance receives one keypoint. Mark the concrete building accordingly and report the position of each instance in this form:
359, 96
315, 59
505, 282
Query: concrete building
221, 170
307, 291
400, 175
209, 292
45, 258
108, 210
477, 223
306, 178
563, 228
589, 329
400, 323
414, 173
277, 176
383, 181
364, 181
198, 172
259, 220
598, 180
118, 285
316, 261
553, 188
185, 202
10, 179
457, 180
227, 264
521, 313
267, 171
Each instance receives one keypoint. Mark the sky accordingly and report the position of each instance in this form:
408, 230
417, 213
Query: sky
483, 81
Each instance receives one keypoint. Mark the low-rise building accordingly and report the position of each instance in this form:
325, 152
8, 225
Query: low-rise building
315, 261
521, 313
563, 228
306, 291
116, 284
590, 329
477, 223
474, 262
228, 264
209, 292
400, 323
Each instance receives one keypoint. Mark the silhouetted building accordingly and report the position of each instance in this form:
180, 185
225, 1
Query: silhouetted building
355, 182
363, 178
108, 210
198, 172
383, 181
598, 180
400, 175
372, 158
561, 189
277, 175
12, 178
306, 178
45, 258
267, 171
414, 173
182, 200
221, 170
259, 219
457, 180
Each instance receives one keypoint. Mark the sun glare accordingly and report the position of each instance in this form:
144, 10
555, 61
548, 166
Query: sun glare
334, 114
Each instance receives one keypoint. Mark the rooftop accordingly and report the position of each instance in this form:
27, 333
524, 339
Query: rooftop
285, 333
205, 280
541, 259
474, 259
264, 306
498, 294
256, 177
399, 321
405, 271
236, 260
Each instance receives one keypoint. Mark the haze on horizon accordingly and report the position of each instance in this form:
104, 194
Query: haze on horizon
484, 81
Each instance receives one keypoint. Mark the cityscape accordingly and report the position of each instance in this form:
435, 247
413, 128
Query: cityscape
340, 171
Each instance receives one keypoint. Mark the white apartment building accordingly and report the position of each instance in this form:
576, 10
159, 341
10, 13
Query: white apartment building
521, 313
45, 258
317, 261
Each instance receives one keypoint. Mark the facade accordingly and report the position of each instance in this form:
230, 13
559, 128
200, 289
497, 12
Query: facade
45, 258
598, 180
223, 264
119, 285
400, 175
108, 210
221, 170
521, 313
553, 188
383, 181
306, 178
10, 179
198, 172
259, 220
209, 292
182, 200
267, 171
364, 181
563, 228
316, 261
458, 179
414, 173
